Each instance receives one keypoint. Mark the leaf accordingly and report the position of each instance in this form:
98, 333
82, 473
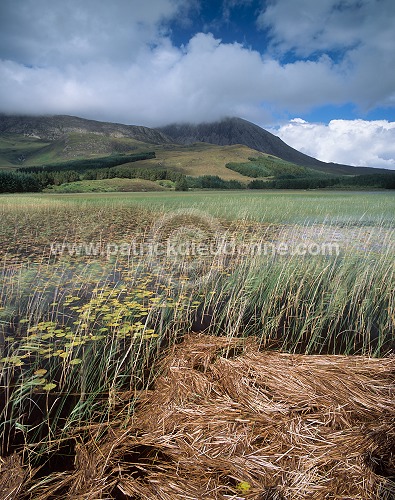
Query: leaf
74, 343
76, 361
243, 486
152, 336
125, 329
45, 351
39, 381
40, 372
96, 337
15, 360
49, 387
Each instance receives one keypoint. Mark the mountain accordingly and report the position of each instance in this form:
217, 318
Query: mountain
33, 140
52, 128
238, 131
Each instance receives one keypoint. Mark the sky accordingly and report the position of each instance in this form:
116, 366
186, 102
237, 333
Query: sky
317, 73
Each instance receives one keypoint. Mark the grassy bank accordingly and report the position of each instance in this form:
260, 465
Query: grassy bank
107, 186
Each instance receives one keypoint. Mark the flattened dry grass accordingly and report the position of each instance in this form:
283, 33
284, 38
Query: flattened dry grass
12, 476
225, 420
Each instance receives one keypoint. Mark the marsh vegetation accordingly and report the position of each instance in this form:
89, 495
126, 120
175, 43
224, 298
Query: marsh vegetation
84, 326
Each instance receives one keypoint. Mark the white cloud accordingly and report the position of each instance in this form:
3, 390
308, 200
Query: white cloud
358, 35
205, 80
352, 142
117, 58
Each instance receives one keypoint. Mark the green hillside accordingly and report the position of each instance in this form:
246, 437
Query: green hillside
269, 166
201, 159
37, 153
19, 151
16, 149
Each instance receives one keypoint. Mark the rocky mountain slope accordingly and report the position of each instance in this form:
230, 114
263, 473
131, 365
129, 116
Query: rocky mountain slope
51, 128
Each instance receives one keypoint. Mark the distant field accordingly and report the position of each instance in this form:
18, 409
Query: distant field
270, 206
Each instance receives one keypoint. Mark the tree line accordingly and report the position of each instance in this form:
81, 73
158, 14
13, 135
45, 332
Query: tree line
373, 181
17, 181
88, 163
34, 179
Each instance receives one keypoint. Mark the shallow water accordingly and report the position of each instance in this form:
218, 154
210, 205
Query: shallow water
365, 239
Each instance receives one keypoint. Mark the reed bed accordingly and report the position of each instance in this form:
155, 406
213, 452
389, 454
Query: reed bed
83, 336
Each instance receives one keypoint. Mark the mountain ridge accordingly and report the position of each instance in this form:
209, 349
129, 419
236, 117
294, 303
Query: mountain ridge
232, 130
226, 132
53, 127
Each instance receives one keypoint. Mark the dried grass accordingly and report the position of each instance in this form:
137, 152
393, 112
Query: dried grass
227, 421
12, 476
